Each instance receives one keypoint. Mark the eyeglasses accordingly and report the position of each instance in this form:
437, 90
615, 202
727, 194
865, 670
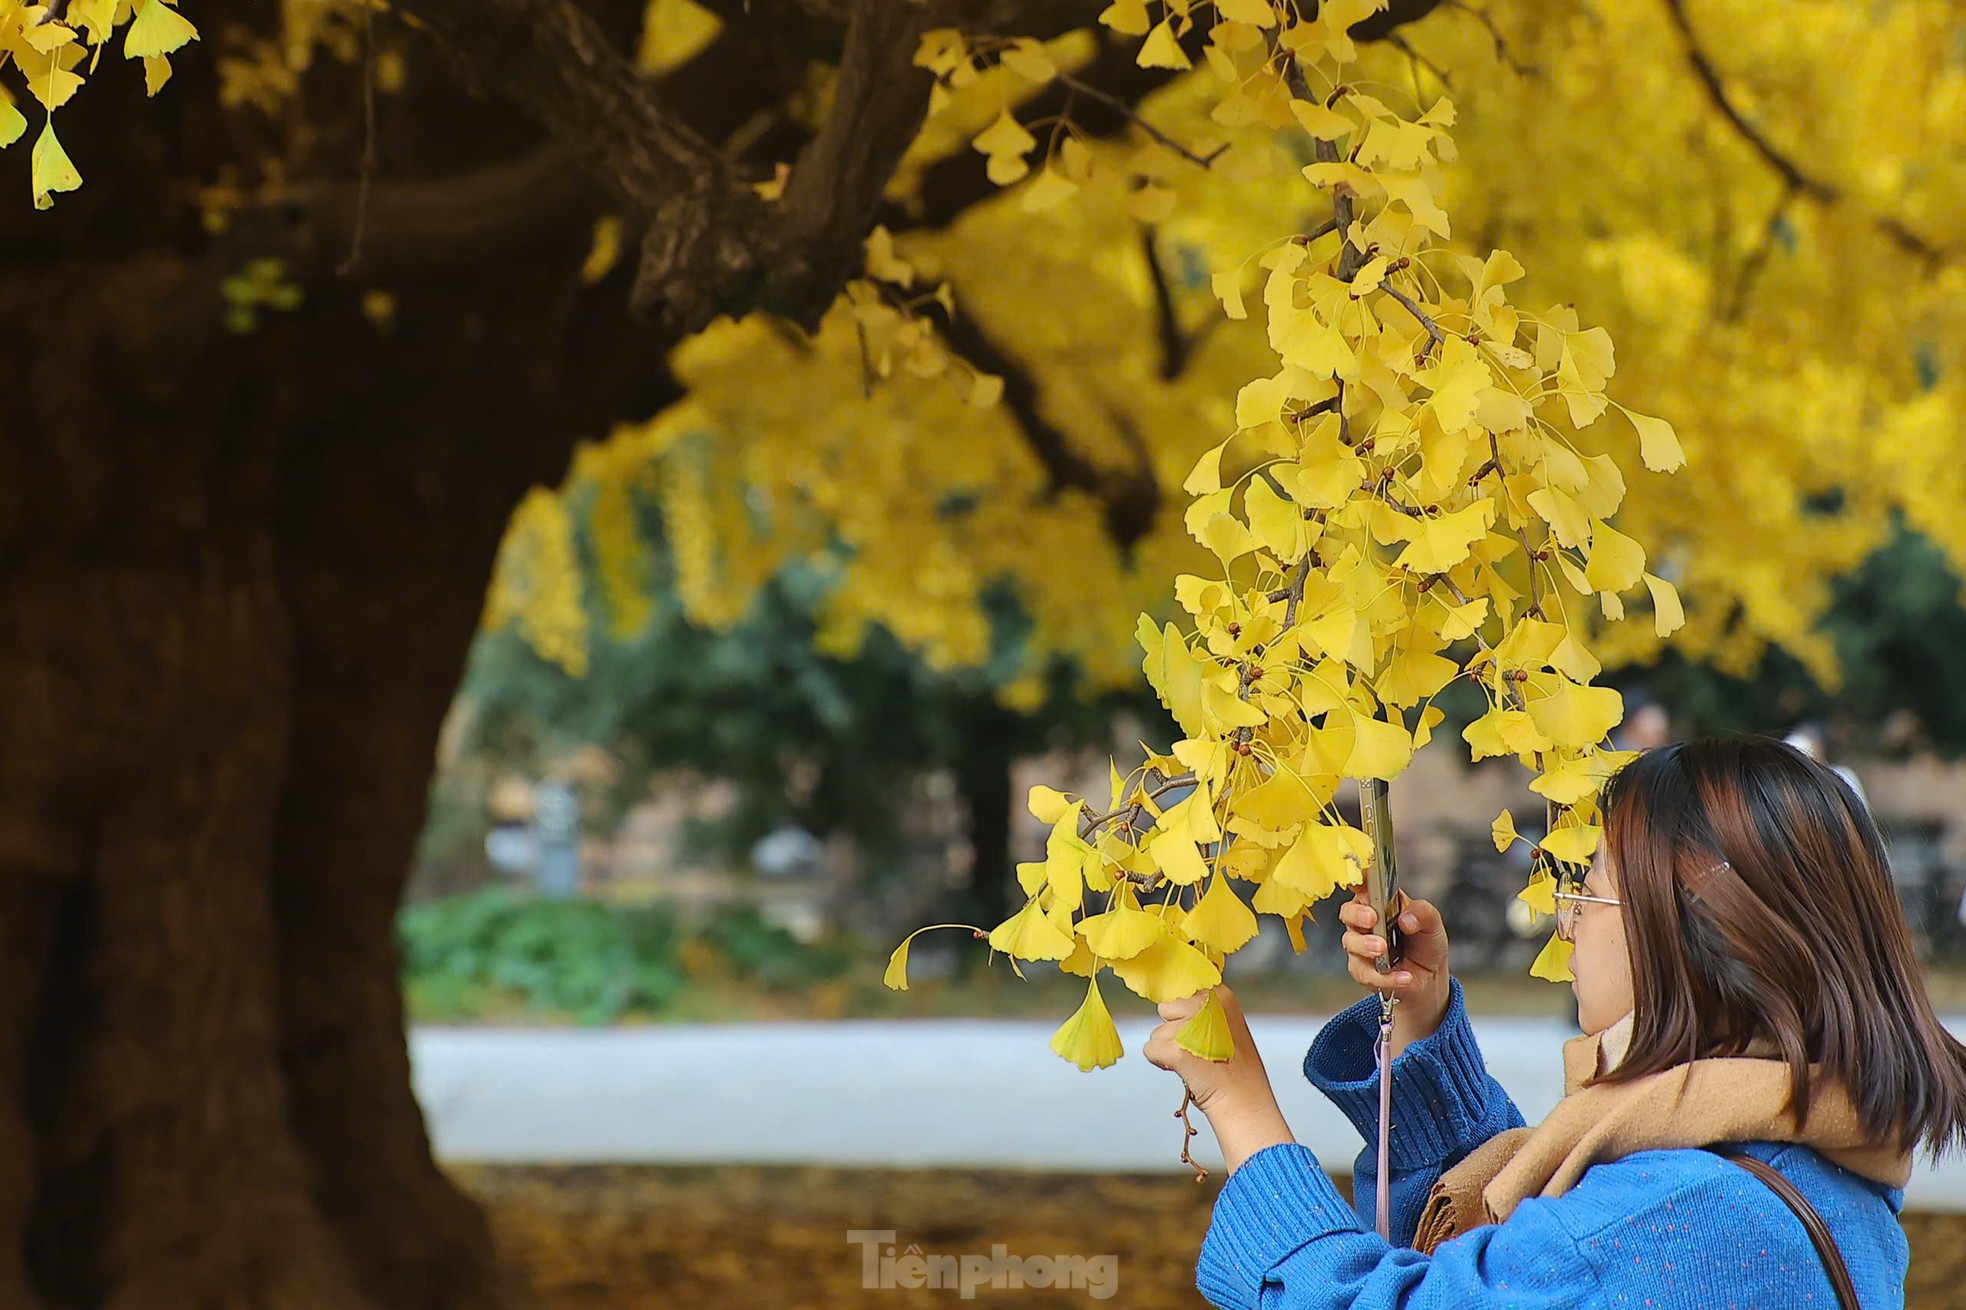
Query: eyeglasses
1568, 904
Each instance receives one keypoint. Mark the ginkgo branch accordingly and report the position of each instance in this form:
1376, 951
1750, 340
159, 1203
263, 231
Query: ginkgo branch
1495, 34
1175, 345
1098, 821
1757, 258
1131, 498
1815, 188
1434, 333
1118, 106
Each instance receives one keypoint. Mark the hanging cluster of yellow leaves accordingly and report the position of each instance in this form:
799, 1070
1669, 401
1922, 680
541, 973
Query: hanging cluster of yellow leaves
48, 45
1409, 505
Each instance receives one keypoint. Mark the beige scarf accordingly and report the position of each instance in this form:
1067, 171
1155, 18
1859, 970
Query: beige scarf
1740, 1098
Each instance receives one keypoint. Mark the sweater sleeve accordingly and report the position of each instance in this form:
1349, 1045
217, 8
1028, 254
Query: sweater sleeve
1282, 1238
1445, 1103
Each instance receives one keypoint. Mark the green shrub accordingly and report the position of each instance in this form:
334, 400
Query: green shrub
467, 956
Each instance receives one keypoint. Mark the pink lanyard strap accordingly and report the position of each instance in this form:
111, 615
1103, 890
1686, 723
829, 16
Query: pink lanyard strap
1385, 1058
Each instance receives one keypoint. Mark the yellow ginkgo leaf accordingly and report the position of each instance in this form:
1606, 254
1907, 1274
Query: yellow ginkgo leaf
1568, 521
1464, 620
1174, 672
1573, 845
1127, 17
1380, 750
1227, 537
1174, 853
1282, 801
1122, 932
1305, 341
1257, 13
1576, 716
1193, 814
1567, 782
1325, 858
1029, 935
1026, 57
1322, 123
1206, 476
1503, 831
1219, 920
1658, 444
1616, 561
1207, 1032
1503, 731
1162, 50
1081, 961
1540, 894
51, 168
1667, 616
1554, 962
1048, 805
896, 975
1571, 659
1089, 1039
1277, 523
157, 29
1223, 709
1227, 287
1445, 542
1413, 675
12, 122
1167, 970
1004, 136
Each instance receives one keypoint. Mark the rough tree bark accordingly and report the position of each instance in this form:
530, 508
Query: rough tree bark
238, 576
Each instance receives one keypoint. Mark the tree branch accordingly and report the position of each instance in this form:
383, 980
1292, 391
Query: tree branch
1131, 499
1815, 188
1174, 344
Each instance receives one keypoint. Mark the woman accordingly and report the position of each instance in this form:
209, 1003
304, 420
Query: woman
1743, 976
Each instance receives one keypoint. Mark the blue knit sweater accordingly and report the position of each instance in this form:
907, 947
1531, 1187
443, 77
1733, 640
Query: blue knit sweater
1668, 1229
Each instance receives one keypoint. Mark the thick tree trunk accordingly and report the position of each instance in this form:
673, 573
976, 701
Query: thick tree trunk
238, 578
234, 617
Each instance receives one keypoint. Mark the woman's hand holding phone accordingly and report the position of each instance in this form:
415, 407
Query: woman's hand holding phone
1419, 980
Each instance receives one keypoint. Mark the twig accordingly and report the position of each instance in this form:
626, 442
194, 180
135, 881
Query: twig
1501, 46
1433, 328
1089, 826
1120, 107
1405, 47
1757, 258
1188, 1159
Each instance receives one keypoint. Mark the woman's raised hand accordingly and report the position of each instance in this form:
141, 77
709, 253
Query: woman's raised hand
1419, 980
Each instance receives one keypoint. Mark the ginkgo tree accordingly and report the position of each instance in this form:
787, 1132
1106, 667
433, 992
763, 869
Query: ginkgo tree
331, 302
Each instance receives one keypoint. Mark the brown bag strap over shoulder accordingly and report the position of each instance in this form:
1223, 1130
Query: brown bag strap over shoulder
1839, 1275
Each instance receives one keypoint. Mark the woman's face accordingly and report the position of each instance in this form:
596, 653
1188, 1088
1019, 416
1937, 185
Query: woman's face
1600, 961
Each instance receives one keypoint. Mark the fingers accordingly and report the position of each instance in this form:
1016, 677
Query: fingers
1421, 917
1366, 974
1186, 1007
1356, 913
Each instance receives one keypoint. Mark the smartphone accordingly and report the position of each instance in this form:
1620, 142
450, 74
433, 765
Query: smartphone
1382, 872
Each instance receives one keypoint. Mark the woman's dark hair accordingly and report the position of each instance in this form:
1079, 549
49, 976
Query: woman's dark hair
1798, 939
